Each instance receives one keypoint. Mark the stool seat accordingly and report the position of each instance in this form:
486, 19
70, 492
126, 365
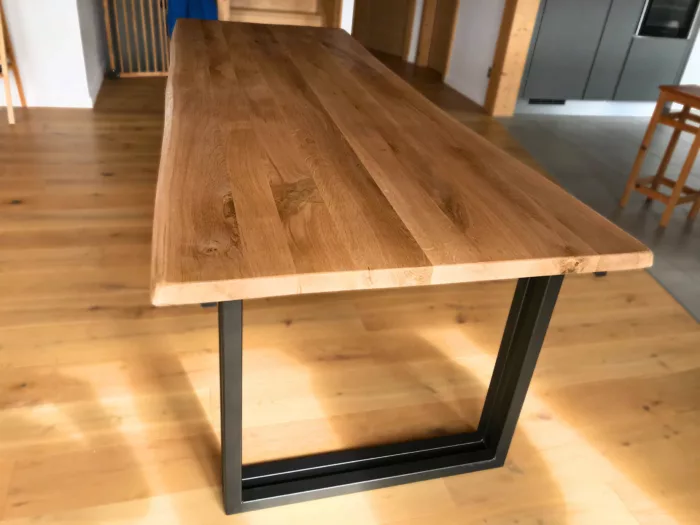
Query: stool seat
681, 121
690, 90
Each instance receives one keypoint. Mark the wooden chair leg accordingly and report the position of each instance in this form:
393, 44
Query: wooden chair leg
646, 142
695, 209
20, 87
669, 151
678, 188
6, 73
9, 50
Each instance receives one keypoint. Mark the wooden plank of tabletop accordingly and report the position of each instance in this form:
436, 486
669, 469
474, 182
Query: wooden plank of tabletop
294, 162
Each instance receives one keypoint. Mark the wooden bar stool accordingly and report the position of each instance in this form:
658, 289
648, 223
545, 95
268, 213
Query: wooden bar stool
8, 65
684, 120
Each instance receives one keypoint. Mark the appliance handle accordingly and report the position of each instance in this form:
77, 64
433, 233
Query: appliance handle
691, 30
642, 17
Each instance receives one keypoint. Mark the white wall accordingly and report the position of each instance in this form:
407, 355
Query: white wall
48, 44
593, 108
474, 46
415, 30
691, 75
347, 13
92, 34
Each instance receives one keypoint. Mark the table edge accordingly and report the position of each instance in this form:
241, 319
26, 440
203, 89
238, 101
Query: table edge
165, 293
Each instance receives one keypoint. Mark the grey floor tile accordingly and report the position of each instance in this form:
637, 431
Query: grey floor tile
591, 157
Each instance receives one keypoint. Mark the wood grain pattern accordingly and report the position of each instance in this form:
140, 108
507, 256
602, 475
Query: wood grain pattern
109, 406
294, 162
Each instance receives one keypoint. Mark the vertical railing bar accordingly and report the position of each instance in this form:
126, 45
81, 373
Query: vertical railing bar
145, 35
153, 35
108, 34
162, 35
167, 38
126, 35
136, 34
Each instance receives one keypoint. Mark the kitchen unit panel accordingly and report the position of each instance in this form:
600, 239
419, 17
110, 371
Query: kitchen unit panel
566, 46
651, 62
616, 41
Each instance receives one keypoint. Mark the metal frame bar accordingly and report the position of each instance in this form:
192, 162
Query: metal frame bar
250, 487
231, 377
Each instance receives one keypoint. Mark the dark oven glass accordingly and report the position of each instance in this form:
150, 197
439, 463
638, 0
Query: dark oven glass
668, 18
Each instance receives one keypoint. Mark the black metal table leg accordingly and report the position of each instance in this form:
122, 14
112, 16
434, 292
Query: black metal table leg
230, 377
526, 326
249, 487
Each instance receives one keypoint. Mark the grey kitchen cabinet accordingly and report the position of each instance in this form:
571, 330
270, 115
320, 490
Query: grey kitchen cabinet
614, 44
650, 63
566, 45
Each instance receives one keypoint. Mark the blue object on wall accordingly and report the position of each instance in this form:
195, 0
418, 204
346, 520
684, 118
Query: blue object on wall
199, 9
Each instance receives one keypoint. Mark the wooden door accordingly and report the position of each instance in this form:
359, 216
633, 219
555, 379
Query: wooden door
384, 25
442, 33
323, 13
416, 31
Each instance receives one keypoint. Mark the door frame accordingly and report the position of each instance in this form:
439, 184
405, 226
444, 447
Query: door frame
512, 49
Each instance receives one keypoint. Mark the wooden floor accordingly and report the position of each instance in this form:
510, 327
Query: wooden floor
109, 407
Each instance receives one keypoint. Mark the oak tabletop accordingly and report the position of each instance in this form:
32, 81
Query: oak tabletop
294, 162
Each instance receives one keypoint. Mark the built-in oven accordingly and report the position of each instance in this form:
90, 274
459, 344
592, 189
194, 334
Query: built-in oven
668, 18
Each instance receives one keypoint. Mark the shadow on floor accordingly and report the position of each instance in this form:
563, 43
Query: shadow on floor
71, 453
387, 370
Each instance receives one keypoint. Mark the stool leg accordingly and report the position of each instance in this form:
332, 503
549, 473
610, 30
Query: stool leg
646, 142
696, 208
678, 188
6, 74
669, 150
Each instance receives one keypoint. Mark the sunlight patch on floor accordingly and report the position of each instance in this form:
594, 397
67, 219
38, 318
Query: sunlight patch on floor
548, 435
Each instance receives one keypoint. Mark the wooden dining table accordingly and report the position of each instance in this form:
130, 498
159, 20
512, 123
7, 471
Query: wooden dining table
294, 162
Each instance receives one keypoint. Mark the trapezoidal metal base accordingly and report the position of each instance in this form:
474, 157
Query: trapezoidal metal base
250, 487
